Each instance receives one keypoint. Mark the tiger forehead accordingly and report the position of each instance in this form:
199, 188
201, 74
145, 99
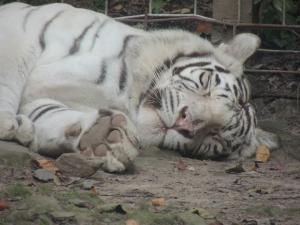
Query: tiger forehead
181, 60
208, 63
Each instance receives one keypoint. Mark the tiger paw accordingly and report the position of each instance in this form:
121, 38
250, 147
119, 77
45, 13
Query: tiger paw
112, 140
18, 128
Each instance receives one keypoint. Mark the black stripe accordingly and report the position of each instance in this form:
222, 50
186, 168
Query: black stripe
201, 77
123, 76
221, 69
248, 117
77, 41
38, 108
191, 55
28, 14
44, 111
97, 33
188, 79
227, 88
243, 127
125, 43
102, 73
180, 69
187, 87
223, 96
178, 99
45, 28
171, 101
235, 90
218, 81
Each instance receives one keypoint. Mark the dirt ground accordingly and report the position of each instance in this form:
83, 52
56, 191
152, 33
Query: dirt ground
267, 195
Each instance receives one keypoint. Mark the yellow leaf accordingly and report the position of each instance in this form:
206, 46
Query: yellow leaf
158, 201
131, 222
262, 153
47, 165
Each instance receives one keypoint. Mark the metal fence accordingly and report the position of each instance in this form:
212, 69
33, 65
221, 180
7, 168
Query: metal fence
149, 17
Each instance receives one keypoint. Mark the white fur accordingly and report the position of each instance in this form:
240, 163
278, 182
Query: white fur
33, 76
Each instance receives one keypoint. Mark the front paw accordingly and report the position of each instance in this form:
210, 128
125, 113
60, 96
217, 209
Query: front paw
8, 126
16, 128
112, 138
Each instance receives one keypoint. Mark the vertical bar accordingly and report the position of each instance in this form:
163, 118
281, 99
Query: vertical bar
195, 7
283, 12
106, 7
239, 11
146, 14
150, 6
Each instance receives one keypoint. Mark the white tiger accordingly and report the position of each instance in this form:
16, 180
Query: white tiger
68, 74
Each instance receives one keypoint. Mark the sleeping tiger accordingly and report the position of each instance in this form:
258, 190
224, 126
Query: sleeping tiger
73, 80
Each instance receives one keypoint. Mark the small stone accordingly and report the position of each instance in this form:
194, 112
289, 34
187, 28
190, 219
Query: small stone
185, 10
62, 215
77, 165
88, 184
43, 175
81, 204
12, 154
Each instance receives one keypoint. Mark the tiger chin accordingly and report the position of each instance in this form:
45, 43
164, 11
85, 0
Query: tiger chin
73, 80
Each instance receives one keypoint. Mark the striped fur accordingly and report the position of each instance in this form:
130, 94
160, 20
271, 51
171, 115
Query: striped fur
68, 62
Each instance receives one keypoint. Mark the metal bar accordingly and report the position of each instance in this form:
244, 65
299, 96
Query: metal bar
278, 51
150, 7
239, 11
195, 7
106, 7
272, 71
177, 17
283, 12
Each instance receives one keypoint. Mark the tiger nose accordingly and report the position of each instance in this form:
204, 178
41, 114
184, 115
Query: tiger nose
184, 121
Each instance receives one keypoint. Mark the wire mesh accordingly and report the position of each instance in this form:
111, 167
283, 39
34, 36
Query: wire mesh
150, 17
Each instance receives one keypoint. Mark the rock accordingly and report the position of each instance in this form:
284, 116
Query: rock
203, 213
77, 165
59, 216
81, 203
43, 175
12, 154
88, 184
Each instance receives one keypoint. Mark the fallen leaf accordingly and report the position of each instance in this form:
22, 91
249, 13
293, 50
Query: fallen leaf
204, 27
3, 205
237, 169
181, 165
262, 154
131, 222
94, 190
47, 165
158, 201
254, 166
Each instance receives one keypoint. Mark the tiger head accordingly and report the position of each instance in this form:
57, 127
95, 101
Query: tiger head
195, 93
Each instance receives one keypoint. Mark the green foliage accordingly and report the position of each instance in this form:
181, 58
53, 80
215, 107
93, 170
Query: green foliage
157, 5
18, 190
270, 12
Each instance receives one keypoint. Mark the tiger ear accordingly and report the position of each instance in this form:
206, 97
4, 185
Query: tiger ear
241, 47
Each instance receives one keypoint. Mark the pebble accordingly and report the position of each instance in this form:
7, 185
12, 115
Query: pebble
43, 175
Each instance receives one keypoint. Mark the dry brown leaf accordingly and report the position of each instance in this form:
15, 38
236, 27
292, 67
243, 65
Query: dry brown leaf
47, 165
131, 222
204, 27
181, 165
3, 205
262, 154
158, 201
94, 190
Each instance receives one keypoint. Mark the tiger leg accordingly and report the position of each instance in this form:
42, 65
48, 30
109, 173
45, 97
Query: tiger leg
16, 60
105, 135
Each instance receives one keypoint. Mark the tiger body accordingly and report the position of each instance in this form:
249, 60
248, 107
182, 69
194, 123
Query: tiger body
60, 65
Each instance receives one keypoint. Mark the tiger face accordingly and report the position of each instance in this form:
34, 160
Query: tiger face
196, 97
